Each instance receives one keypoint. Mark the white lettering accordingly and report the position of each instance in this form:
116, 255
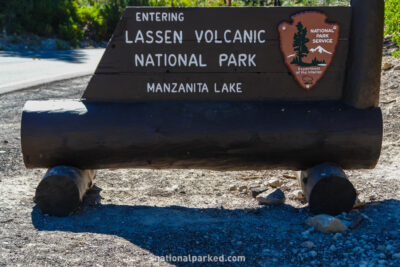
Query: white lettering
158, 37
241, 60
169, 60
139, 37
160, 16
127, 39
175, 88
245, 36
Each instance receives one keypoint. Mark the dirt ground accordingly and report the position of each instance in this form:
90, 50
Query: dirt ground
144, 217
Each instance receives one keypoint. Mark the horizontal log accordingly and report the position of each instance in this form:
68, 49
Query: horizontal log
209, 135
120, 57
254, 86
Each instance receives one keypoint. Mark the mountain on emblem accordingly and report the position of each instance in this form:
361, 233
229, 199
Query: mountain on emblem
320, 50
308, 45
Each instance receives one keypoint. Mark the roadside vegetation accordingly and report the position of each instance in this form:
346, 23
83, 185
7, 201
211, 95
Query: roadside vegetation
392, 22
77, 20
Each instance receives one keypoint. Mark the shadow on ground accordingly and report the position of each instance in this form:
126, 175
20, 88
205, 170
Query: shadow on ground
72, 56
258, 234
177, 230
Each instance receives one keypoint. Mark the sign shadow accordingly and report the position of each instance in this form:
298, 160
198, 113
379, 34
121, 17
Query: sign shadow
181, 231
267, 234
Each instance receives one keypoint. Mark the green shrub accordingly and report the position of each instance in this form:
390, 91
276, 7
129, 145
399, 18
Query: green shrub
297, 2
392, 21
181, 3
92, 21
70, 32
74, 20
111, 14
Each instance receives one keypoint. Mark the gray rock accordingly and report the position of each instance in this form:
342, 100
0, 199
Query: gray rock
396, 256
275, 182
271, 197
381, 248
337, 236
233, 188
242, 188
297, 194
308, 244
258, 190
389, 248
397, 67
386, 65
382, 262
313, 253
326, 224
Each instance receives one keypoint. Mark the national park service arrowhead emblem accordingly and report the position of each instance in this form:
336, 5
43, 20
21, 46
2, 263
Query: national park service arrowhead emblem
308, 45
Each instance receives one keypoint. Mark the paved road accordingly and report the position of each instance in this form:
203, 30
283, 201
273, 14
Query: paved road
22, 69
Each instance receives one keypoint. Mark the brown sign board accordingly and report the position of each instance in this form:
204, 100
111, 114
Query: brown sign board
219, 54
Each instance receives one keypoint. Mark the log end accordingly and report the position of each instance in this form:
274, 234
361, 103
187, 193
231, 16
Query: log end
57, 195
332, 195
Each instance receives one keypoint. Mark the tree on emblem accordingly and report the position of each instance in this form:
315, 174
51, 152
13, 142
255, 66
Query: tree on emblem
299, 45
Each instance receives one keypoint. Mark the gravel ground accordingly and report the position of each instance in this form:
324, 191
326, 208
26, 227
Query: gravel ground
142, 217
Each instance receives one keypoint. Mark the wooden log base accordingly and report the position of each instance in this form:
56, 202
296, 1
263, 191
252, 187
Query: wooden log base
327, 189
332, 195
203, 135
62, 189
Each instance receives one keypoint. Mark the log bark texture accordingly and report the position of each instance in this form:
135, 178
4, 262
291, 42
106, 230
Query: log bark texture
207, 135
62, 189
327, 189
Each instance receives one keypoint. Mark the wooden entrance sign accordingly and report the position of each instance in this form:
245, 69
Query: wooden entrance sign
224, 88
235, 54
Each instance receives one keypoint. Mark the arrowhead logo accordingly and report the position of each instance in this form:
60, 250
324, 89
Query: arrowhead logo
308, 45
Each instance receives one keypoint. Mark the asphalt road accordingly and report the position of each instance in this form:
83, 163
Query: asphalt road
23, 69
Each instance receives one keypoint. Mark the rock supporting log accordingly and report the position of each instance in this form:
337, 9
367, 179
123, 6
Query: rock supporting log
327, 189
62, 189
